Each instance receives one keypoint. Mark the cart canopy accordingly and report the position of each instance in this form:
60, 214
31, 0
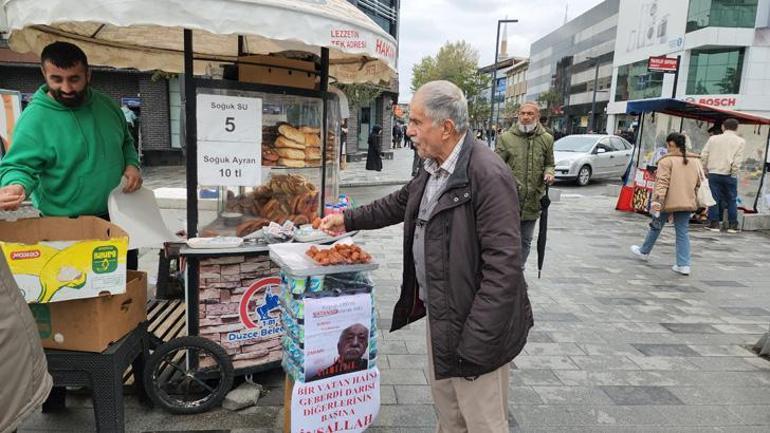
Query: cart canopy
148, 34
691, 110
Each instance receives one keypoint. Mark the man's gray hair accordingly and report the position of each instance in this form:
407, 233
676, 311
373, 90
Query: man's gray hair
444, 100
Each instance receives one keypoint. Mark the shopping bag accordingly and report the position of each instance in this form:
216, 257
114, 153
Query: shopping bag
703, 196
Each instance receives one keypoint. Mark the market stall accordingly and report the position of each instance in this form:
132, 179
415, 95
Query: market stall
659, 117
261, 129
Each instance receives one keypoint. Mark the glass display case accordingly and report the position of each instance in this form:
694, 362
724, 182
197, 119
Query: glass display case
271, 167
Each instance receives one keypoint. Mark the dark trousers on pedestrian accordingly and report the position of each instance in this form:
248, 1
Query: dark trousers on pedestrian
724, 188
527, 233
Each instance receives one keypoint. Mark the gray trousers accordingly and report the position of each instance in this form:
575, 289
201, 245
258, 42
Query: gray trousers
527, 232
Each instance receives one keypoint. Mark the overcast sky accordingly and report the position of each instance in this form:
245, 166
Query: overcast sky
427, 24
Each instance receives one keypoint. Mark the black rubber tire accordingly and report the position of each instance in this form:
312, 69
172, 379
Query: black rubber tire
579, 181
163, 400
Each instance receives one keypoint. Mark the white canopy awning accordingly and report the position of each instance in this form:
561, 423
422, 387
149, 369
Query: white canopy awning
148, 34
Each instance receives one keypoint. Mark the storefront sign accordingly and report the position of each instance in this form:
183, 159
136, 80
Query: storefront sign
229, 140
337, 331
714, 101
347, 403
663, 64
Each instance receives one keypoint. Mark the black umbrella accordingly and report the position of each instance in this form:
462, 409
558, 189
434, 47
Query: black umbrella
542, 234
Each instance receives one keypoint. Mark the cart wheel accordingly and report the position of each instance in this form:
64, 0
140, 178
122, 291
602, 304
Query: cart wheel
188, 375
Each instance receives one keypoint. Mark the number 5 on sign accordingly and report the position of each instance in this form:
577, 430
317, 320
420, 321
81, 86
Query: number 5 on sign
229, 118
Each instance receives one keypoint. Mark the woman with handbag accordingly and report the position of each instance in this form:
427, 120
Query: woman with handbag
676, 189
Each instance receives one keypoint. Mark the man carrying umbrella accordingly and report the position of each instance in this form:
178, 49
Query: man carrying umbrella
527, 148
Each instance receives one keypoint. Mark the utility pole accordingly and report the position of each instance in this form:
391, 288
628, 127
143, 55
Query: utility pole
494, 78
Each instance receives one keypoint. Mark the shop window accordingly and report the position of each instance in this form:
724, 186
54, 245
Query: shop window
715, 72
635, 82
721, 13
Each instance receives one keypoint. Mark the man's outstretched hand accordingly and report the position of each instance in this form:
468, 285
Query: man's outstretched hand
333, 224
11, 197
133, 179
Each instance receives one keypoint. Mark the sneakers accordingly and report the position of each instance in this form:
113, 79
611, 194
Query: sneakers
732, 228
683, 270
638, 252
713, 226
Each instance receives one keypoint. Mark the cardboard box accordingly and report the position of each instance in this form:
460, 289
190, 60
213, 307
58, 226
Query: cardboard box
91, 325
301, 76
59, 259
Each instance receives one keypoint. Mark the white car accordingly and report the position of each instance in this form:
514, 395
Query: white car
581, 158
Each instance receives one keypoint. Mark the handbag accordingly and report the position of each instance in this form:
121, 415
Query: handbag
703, 197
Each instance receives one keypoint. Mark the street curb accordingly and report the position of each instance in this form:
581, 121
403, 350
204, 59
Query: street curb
382, 183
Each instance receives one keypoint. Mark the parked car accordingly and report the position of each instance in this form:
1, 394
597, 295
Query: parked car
581, 158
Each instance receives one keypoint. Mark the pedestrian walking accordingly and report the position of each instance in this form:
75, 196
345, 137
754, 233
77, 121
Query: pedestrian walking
722, 157
396, 136
461, 234
527, 148
374, 153
676, 183
407, 139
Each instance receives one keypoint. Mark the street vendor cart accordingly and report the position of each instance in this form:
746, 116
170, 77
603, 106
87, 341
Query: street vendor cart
658, 117
261, 133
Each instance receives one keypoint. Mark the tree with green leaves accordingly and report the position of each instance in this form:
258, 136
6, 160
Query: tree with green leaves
360, 94
457, 62
510, 110
549, 99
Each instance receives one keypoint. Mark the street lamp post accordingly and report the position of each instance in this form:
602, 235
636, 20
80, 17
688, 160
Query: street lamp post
593, 100
494, 76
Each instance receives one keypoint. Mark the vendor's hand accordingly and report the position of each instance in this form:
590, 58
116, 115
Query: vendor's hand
657, 207
333, 224
133, 179
548, 178
11, 197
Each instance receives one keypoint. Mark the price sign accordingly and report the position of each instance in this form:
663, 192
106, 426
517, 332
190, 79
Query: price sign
229, 140
229, 118
231, 164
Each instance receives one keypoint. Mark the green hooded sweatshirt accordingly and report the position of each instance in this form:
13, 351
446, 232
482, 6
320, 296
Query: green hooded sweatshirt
69, 159
530, 156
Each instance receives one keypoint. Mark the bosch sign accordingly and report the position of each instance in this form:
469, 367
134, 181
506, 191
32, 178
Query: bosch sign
718, 101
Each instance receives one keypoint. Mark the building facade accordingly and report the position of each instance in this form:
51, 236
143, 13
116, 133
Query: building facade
386, 14
723, 47
516, 87
572, 66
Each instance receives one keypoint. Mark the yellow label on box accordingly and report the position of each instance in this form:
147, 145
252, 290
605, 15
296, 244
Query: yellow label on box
65, 270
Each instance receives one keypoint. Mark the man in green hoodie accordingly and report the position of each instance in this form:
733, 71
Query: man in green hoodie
528, 149
71, 145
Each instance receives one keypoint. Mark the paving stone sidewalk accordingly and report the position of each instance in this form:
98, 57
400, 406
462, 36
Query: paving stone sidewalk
619, 345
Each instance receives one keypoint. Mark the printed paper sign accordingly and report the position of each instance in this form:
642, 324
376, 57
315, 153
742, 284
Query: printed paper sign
230, 119
337, 334
229, 140
347, 403
232, 164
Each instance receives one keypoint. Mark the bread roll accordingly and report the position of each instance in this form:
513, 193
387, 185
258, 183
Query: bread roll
285, 142
292, 133
269, 155
289, 153
310, 130
312, 139
293, 163
312, 153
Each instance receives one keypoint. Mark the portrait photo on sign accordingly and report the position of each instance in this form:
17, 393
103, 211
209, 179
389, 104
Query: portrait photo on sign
337, 332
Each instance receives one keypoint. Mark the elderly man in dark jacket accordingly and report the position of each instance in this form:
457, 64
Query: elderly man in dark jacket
461, 247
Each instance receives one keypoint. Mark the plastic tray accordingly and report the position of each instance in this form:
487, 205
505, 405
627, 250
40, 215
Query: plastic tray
292, 259
218, 242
